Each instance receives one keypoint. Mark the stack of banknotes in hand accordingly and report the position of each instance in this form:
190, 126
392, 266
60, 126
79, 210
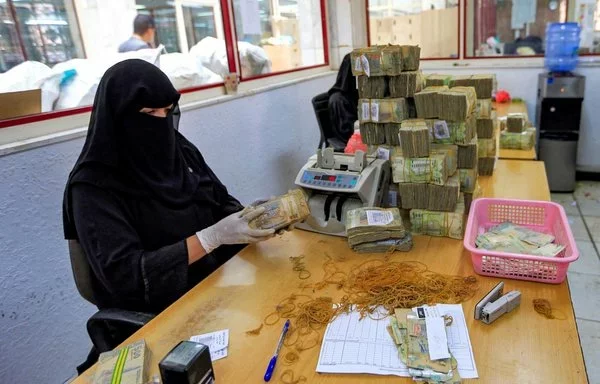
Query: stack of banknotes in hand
511, 238
372, 229
282, 211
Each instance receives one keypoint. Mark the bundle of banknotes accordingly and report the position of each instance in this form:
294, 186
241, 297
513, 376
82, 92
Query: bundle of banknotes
372, 229
451, 152
467, 154
372, 87
388, 60
414, 138
470, 196
382, 110
435, 80
406, 84
439, 223
414, 195
524, 140
444, 197
468, 179
486, 148
516, 122
409, 333
372, 133
485, 128
457, 103
486, 165
282, 211
429, 102
512, 238
483, 108
392, 133
452, 132
483, 84
432, 169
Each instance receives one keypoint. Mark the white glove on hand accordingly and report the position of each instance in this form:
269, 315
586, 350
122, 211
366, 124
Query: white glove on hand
233, 229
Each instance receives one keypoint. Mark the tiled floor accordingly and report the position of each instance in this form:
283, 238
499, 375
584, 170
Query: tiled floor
583, 210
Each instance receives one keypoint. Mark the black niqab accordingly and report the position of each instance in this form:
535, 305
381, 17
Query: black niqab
345, 81
136, 153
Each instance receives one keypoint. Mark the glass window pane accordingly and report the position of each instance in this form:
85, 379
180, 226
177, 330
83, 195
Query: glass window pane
510, 28
278, 35
45, 30
10, 49
200, 22
431, 24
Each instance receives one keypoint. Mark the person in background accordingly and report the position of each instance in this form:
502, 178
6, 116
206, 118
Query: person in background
144, 31
343, 101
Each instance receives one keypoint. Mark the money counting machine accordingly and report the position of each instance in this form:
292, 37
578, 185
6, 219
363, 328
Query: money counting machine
337, 183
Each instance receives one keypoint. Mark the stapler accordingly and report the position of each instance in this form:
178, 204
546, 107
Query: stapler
495, 304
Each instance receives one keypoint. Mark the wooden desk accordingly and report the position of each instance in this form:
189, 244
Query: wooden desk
521, 347
518, 154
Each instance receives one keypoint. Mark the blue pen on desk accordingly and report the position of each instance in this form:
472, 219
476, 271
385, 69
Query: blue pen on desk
273, 361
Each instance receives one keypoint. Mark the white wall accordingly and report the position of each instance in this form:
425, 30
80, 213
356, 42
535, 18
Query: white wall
522, 83
255, 144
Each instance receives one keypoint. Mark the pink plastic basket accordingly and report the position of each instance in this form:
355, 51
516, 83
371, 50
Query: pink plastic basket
541, 216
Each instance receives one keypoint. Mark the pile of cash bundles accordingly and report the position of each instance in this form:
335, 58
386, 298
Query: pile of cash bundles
516, 134
377, 230
410, 335
387, 78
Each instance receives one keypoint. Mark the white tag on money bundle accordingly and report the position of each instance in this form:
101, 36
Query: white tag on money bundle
383, 153
379, 217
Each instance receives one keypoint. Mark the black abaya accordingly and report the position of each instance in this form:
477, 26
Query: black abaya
137, 191
343, 101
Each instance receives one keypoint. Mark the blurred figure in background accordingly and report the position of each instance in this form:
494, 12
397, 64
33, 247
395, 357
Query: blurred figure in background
144, 31
343, 101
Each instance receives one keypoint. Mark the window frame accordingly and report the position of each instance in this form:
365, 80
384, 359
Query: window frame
231, 47
458, 41
324, 26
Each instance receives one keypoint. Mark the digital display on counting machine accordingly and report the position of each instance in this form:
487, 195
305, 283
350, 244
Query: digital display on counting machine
325, 178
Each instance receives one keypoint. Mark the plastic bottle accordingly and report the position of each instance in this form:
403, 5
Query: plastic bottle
562, 46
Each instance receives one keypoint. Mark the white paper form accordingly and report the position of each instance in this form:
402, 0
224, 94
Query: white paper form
459, 341
351, 345
217, 343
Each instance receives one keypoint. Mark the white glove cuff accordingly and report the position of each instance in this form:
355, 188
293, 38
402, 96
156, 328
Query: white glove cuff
203, 237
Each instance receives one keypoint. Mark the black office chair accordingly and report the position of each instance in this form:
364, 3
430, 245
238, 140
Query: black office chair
107, 327
321, 106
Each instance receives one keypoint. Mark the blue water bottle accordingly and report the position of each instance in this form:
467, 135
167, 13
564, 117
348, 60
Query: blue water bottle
562, 46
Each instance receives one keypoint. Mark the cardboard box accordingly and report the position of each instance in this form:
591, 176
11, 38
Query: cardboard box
21, 103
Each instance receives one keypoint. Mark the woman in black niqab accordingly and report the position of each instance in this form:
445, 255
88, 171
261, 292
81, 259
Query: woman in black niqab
343, 101
150, 215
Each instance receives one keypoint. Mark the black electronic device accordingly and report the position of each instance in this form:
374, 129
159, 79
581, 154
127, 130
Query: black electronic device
188, 363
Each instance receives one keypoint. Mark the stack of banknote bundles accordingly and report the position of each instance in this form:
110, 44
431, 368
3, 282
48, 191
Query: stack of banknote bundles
387, 76
483, 84
457, 103
372, 229
435, 80
524, 140
470, 196
485, 128
406, 84
372, 87
414, 138
467, 154
429, 102
515, 122
439, 223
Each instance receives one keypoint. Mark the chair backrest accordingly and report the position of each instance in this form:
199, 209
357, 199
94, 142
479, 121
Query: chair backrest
82, 273
321, 106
